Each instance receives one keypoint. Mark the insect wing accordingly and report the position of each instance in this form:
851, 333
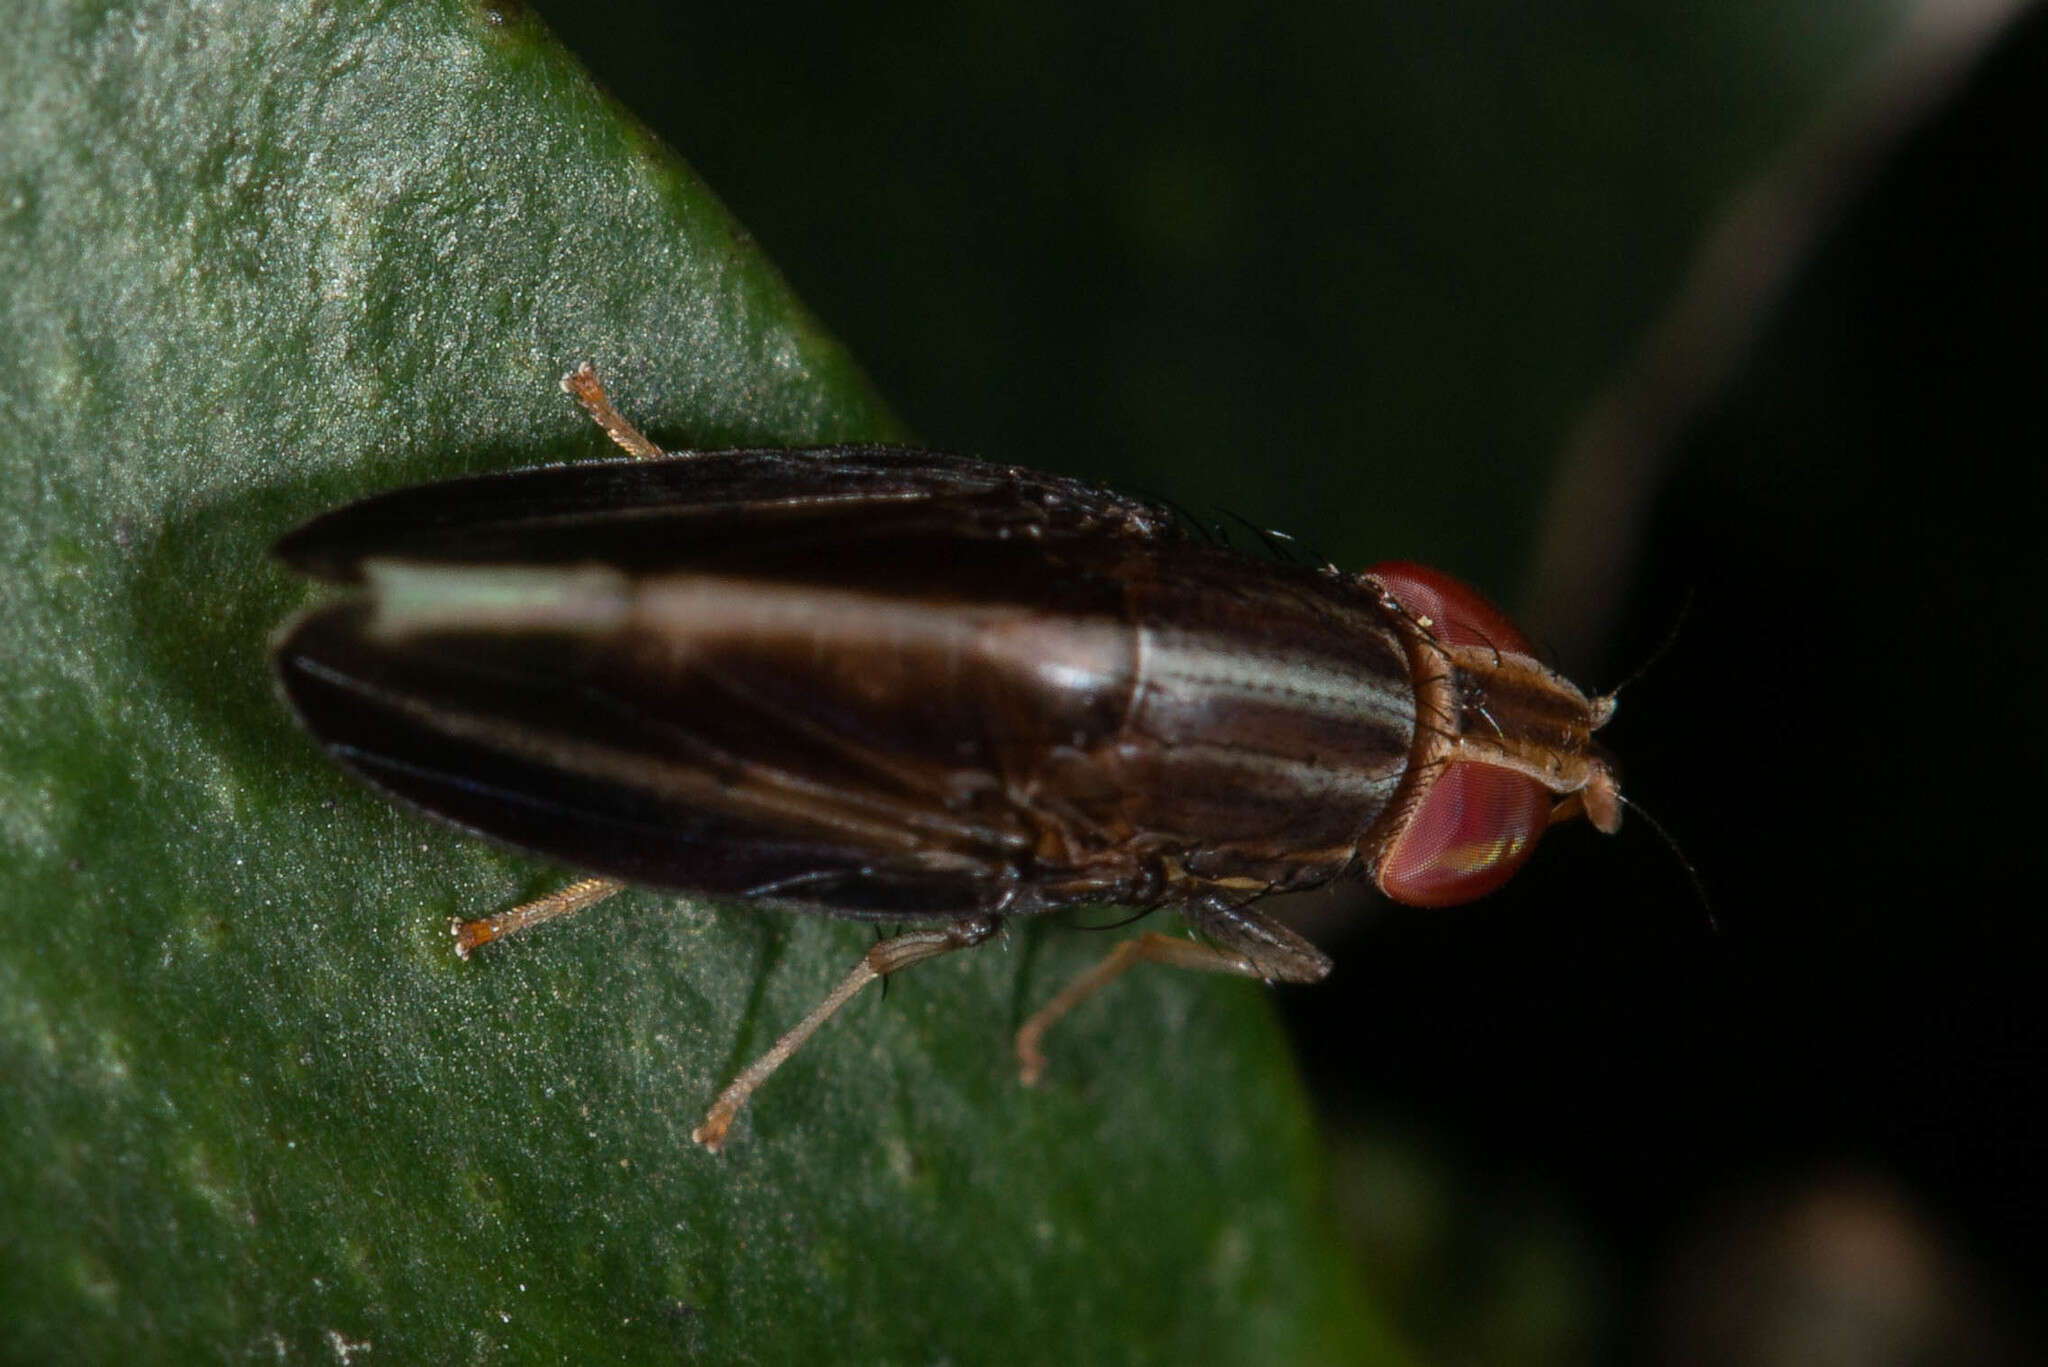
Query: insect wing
743, 683
712, 509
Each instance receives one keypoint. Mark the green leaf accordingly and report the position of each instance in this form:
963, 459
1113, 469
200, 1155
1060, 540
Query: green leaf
256, 259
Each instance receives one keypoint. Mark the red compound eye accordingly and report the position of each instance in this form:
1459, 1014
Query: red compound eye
1477, 823
1454, 610
1475, 826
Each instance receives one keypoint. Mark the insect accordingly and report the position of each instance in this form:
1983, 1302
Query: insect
901, 686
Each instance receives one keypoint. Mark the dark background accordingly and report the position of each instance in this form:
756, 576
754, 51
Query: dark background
1357, 274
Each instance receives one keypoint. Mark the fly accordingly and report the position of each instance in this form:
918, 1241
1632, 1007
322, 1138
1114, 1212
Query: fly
902, 686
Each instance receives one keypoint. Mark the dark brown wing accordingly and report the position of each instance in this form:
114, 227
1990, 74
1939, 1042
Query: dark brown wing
728, 511
830, 661
872, 681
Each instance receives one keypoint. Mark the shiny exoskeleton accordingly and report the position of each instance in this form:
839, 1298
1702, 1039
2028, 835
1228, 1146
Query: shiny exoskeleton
898, 685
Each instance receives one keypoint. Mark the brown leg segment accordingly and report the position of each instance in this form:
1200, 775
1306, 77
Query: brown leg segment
1151, 947
566, 901
582, 385
1246, 944
897, 952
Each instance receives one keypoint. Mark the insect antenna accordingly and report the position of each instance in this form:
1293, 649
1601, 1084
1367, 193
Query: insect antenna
1656, 657
1692, 874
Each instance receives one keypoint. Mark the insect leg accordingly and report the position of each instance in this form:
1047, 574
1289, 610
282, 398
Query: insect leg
896, 952
1245, 943
566, 901
582, 385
